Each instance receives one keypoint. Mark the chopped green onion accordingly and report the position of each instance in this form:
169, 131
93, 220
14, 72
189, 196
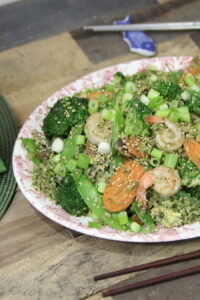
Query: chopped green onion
83, 161
153, 94
185, 95
135, 227
107, 114
93, 106
128, 129
144, 99
184, 114
162, 113
101, 186
152, 68
155, 102
123, 218
71, 165
156, 153
80, 140
127, 97
102, 98
153, 77
96, 225
170, 160
195, 88
129, 86
189, 79
60, 169
163, 106
197, 127
56, 158
174, 114
154, 162
118, 77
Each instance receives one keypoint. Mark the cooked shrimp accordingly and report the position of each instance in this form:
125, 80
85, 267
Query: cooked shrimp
170, 138
165, 181
97, 132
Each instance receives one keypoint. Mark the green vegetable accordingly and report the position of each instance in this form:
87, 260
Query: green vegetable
170, 160
70, 144
31, 148
144, 217
174, 114
71, 165
101, 186
69, 198
156, 153
153, 94
64, 115
189, 173
163, 113
102, 98
96, 225
154, 162
135, 227
83, 161
184, 114
193, 103
127, 97
189, 79
94, 201
168, 89
123, 218
156, 102
93, 106
107, 114
118, 123
118, 77
2, 166
80, 139
129, 86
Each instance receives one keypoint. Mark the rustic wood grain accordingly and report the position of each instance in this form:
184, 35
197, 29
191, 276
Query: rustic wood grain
66, 270
31, 73
24, 232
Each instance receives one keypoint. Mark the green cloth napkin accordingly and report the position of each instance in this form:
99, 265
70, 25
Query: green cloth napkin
8, 133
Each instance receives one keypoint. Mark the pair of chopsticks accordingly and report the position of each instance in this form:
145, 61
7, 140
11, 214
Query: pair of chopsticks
155, 280
148, 26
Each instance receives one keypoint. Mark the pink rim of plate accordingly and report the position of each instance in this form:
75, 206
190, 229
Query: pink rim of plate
22, 166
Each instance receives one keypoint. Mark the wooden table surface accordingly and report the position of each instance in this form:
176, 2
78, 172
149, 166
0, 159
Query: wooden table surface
40, 259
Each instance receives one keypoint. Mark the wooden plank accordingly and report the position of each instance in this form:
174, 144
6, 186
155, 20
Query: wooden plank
31, 73
69, 271
24, 232
18, 23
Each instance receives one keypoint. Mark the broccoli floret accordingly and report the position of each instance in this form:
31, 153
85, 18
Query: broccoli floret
194, 191
69, 198
190, 175
194, 103
65, 114
167, 89
135, 113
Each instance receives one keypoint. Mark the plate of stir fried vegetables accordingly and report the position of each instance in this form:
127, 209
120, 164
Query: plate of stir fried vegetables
116, 154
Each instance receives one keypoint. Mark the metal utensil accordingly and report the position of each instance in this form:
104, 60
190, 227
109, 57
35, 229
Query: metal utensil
148, 26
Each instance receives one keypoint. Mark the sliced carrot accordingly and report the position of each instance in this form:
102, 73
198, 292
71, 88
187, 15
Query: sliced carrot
122, 188
95, 95
132, 148
192, 149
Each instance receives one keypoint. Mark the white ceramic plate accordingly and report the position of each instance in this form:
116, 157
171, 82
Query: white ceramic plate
22, 165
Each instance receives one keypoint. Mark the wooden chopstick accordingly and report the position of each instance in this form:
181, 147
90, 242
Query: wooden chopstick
155, 264
152, 281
